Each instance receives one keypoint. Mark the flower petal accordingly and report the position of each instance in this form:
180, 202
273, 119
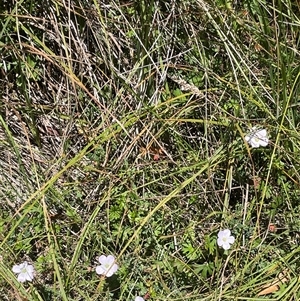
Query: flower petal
109, 273
110, 259
226, 232
231, 240
264, 142
221, 234
17, 268
254, 143
112, 270
261, 133
226, 246
100, 270
102, 259
22, 277
30, 269
28, 276
220, 242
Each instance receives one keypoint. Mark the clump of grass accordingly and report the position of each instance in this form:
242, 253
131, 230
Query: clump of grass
122, 132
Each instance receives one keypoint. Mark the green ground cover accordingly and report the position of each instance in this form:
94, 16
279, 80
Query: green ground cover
141, 129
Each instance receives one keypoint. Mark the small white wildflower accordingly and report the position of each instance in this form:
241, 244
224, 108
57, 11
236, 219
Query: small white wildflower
257, 137
139, 299
108, 266
25, 271
225, 239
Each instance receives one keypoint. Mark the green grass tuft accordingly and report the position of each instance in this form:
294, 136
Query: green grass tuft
122, 132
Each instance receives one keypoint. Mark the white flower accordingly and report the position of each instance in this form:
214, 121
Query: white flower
108, 266
225, 239
25, 271
257, 137
139, 299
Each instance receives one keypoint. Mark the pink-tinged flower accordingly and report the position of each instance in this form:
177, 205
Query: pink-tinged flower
108, 266
257, 137
139, 299
225, 239
25, 271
